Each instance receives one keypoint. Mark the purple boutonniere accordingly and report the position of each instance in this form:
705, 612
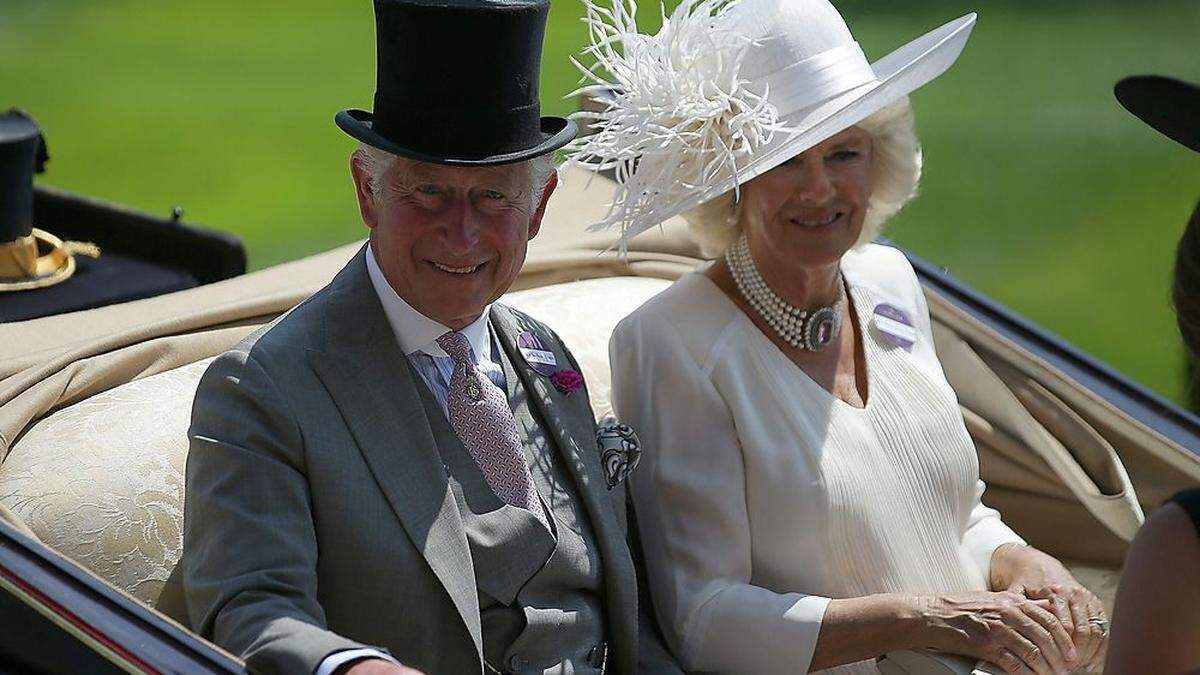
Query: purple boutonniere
566, 380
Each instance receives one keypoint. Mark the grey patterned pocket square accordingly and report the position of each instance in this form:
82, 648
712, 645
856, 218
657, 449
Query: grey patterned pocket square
620, 450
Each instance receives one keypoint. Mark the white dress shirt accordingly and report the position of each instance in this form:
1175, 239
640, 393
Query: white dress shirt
417, 336
761, 496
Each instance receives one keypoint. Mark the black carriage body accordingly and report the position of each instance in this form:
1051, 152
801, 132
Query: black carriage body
141, 256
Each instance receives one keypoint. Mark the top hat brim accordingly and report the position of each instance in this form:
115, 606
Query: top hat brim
1169, 105
556, 132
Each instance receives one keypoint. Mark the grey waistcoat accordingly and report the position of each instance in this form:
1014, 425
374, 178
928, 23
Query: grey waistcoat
540, 593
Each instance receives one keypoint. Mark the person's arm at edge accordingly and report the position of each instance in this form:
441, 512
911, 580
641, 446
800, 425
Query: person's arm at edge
1155, 623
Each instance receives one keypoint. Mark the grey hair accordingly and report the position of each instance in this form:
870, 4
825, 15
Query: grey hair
895, 173
377, 162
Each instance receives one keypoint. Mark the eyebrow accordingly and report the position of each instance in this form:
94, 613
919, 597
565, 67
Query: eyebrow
850, 141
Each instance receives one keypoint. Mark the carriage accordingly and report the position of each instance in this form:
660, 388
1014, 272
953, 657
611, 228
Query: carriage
94, 407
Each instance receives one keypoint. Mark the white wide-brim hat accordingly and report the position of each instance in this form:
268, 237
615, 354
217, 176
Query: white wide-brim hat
727, 91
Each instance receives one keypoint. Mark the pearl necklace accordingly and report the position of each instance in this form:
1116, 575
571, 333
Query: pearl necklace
809, 330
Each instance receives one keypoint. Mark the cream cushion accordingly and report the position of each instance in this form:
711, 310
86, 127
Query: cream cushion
101, 481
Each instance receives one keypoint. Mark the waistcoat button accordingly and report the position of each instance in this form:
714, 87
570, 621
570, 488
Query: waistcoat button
515, 663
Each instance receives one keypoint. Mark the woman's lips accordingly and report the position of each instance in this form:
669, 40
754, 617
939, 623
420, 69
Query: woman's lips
816, 220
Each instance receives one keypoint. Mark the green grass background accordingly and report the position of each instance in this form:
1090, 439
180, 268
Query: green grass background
1039, 189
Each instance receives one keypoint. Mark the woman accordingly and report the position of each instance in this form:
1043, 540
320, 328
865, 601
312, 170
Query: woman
1158, 601
809, 496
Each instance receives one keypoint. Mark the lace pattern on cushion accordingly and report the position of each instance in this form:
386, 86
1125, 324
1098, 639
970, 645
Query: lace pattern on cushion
101, 481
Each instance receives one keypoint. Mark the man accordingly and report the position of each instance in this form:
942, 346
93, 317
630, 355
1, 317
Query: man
399, 471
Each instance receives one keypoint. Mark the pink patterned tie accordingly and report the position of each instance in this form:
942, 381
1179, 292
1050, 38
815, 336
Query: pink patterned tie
481, 417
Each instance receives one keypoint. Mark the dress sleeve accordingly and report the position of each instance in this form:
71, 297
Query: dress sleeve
985, 533
689, 496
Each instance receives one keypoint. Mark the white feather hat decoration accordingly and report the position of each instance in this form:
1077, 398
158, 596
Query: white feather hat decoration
727, 90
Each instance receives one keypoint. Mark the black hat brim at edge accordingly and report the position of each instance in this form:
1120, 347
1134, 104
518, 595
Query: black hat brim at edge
556, 132
1169, 105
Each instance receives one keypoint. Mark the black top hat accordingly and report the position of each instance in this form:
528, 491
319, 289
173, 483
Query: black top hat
22, 153
457, 83
1171, 106
29, 258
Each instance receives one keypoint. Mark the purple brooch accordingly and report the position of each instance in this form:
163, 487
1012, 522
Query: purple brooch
566, 380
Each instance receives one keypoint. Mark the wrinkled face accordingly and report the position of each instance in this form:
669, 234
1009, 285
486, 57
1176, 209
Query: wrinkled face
450, 240
807, 212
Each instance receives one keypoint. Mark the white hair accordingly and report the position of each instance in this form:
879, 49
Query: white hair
895, 172
377, 161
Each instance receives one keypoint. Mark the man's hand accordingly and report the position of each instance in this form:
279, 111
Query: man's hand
375, 667
1038, 576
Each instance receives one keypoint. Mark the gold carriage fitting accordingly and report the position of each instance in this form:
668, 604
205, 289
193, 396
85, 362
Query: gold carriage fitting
40, 259
30, 258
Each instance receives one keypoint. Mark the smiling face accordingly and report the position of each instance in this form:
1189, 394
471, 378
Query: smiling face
807, 212
450, 240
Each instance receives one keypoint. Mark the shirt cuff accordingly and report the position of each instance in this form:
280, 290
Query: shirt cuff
753, 631
809, 610
338, 659
984, 538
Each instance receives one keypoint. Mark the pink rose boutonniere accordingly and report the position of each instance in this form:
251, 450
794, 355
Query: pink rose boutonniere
566, 380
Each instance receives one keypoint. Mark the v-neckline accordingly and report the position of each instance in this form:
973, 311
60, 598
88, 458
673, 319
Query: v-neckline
855, 298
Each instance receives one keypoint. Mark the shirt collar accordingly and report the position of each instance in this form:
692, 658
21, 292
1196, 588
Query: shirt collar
416, 332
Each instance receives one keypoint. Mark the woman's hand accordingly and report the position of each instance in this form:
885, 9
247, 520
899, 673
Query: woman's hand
1008, 629
1038, 576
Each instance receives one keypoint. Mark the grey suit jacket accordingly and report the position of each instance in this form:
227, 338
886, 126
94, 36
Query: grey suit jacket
318, 515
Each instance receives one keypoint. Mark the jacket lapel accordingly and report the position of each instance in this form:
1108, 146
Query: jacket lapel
571, 425
373, 385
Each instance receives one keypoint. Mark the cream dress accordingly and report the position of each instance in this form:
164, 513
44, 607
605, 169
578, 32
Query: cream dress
760, 496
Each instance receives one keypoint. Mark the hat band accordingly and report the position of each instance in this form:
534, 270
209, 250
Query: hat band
38, 260
466, 131
19, 258
816, 79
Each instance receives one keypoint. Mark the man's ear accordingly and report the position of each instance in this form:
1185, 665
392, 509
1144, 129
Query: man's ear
362, 190
535, 224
